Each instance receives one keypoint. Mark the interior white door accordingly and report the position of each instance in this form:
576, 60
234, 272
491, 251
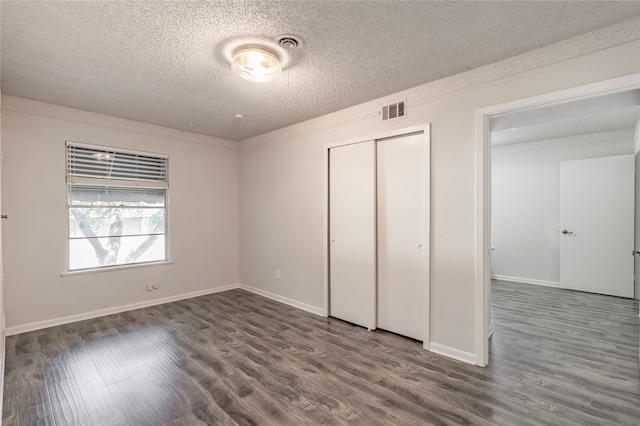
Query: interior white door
401, 182
597, 225
352, 233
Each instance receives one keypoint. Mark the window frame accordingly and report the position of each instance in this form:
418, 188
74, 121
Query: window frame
119, 183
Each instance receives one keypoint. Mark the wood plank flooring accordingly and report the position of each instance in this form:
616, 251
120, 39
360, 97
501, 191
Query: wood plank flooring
558, 357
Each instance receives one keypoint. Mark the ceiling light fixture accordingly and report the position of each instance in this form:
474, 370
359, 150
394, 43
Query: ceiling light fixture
256, 64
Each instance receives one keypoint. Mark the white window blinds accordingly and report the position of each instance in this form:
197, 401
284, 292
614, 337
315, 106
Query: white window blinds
91, 165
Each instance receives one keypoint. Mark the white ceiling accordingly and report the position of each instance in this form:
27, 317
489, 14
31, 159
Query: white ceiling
619, 111
606, 121
167, 63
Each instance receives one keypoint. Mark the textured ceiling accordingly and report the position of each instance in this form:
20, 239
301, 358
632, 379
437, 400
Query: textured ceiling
167, 63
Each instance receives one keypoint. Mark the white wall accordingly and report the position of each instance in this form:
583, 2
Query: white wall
525, 207
281, 179
203, 209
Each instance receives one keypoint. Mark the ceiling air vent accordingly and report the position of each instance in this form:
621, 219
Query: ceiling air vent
393, 111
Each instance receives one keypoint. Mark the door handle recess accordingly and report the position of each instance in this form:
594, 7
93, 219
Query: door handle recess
4, 216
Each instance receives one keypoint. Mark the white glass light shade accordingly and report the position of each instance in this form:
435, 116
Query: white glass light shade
256, 64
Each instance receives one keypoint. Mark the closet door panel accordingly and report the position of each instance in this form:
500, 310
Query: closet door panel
401, 229
352, 233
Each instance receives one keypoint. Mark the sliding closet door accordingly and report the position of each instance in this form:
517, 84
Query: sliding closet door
402, 194
352, 233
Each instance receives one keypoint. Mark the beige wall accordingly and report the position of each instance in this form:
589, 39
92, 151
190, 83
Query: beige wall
281, 186
203, 209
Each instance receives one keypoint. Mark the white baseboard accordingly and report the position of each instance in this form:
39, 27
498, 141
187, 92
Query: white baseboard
525, 280
285, 300
115, 310
463, 356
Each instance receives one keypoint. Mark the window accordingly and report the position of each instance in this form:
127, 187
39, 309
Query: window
117, 207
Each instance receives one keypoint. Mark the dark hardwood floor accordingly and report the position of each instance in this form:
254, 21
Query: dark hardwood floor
557, 358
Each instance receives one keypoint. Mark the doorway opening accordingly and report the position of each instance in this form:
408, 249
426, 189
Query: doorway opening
533, 136
562, 195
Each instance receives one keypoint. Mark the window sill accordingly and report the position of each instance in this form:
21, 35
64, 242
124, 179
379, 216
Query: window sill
115, 268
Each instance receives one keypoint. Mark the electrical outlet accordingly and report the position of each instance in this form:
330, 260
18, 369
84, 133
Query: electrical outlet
277, 274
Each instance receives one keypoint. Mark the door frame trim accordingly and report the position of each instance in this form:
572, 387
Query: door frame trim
483, 188
425, 128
